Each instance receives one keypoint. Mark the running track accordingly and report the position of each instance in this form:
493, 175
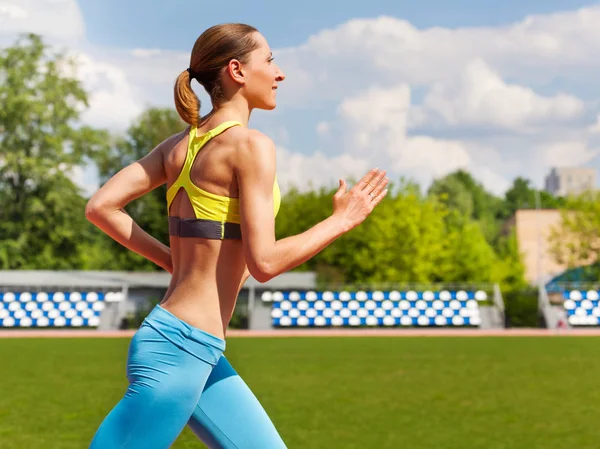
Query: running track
66, 333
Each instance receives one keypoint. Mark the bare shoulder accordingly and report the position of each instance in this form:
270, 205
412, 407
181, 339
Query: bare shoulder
173, 140
253, 148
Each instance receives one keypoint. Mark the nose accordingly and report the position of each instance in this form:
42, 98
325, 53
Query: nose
280, 75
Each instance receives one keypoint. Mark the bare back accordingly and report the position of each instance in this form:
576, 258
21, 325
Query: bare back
206, 273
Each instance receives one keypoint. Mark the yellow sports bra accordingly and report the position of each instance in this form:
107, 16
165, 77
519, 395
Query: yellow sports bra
217, 217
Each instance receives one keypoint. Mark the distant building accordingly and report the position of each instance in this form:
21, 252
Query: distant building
533, 229
565, 181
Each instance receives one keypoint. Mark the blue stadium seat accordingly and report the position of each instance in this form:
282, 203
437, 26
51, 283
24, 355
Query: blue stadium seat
582, 307
374, 308
53, 309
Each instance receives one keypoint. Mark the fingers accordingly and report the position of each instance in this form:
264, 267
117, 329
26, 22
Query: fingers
379, 197
364, 182
375, 181
379, 187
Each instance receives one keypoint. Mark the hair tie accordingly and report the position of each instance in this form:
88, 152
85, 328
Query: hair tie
192, 74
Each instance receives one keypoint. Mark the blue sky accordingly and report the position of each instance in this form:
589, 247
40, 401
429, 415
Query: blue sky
176, 23
502, 89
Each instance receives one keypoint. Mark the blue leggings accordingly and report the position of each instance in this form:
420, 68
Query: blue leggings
179, 376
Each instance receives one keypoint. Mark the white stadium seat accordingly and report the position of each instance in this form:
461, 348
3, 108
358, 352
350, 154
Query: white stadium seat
59, 308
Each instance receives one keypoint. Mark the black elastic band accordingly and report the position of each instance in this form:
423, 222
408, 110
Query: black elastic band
192, 74
209, 229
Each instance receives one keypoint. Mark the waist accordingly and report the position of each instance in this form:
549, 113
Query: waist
202, 302
193, 340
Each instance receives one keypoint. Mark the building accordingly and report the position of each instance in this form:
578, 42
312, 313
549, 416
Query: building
533, 229
565, 181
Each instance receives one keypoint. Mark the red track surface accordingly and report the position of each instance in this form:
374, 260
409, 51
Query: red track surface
66, 333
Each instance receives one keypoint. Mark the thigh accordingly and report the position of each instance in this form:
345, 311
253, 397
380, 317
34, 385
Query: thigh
229, 416
160, 398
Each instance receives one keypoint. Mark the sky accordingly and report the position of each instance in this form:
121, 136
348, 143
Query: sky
501, 89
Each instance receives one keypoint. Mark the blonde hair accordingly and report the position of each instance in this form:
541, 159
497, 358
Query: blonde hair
212, 51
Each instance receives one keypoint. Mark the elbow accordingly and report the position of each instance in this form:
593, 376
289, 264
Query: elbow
262, 272
93, 210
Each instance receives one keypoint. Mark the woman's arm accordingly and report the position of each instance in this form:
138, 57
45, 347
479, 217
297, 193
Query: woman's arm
105, 208
266, 257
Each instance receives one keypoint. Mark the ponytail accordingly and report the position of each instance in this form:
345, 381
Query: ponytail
186, 100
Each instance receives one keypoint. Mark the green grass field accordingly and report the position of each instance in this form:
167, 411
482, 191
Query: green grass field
352, 392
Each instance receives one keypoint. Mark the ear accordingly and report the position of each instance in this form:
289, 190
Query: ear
236, 71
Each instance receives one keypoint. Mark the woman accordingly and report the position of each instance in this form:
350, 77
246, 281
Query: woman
222, 200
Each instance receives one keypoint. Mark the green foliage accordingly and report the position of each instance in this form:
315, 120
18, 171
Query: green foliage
409, 238
522, 196
461, 192
576, 240
509, 270
41, 210
521, 307
402, 241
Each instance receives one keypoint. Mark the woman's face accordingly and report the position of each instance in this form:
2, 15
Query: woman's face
262, 76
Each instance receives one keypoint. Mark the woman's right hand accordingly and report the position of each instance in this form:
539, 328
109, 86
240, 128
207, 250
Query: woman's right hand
353, 206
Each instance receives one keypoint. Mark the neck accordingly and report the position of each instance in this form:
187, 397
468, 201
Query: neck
236, 109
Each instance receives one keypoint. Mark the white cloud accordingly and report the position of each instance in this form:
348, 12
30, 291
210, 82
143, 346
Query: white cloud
11, 12
481, 86
429, 156
479, 96
377, 110
306, 172
152, 73
374, 124
492, 180
146, 52
391, 51
112, 101
50, 18
595, 127
567, 153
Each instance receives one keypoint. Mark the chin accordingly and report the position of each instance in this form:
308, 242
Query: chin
268, 105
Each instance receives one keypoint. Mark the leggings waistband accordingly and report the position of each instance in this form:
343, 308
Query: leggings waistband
195, 341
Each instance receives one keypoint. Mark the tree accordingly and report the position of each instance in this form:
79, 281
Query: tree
470, 258
42, 217
407, 238
149, 211
455, 195
522, 195
576, 240
486, 208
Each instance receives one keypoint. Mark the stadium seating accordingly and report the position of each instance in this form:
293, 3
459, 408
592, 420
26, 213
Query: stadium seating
53, 309
375, 308
582, 307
